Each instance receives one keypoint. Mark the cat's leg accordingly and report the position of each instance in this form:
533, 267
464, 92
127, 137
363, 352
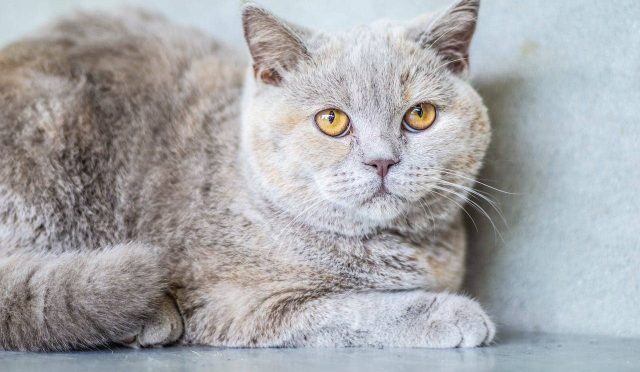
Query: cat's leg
85, 299
397, 319
292, 318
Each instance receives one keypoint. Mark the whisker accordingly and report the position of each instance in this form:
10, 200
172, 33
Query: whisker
475, 206
459, 205
291, 223
431, 216
455, 173
477, 194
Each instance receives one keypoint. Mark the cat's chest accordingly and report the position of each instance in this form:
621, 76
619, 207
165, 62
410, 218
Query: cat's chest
385, 261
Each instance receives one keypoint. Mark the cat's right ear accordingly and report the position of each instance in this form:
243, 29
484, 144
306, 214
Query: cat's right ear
276, 46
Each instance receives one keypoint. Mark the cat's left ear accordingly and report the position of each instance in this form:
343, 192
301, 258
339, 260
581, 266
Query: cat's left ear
449, 33
276, 46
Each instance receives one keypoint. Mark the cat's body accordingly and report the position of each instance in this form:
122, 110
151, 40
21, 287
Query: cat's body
132, 165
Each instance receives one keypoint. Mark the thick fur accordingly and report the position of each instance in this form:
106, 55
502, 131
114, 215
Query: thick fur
77, 299
139, 157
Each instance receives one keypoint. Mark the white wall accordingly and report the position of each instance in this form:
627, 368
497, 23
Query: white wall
562, 80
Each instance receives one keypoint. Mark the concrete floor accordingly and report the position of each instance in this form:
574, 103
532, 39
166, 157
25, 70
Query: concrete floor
513, 352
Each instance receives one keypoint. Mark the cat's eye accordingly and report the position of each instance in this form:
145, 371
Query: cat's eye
333, 122
419, 117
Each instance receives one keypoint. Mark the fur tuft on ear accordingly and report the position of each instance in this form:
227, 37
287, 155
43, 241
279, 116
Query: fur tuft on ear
276, 46
449, 34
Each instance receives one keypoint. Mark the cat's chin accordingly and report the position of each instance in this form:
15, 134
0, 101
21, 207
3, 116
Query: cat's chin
381, 207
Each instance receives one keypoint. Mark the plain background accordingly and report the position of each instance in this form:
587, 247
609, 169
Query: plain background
562, 83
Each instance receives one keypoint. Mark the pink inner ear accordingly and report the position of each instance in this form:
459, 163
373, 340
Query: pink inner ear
455, 62
275, 45
267, 76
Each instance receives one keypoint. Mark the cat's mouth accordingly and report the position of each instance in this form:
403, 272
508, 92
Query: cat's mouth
381, 196
382, 205
382, 191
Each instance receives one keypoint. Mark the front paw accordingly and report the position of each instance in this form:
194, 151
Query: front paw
457, 321
164, 328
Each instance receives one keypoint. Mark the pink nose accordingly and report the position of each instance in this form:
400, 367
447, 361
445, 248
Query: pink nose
382, 165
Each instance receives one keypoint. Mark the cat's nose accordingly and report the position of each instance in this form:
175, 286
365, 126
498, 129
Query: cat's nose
382, 165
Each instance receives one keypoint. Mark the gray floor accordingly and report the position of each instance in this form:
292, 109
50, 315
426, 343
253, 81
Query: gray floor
513, 352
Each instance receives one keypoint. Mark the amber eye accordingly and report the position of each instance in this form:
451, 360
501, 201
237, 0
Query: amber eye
333, 122
419, 117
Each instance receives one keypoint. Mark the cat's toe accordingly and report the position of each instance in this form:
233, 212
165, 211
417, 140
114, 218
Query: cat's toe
443, 334
163, 329
460, 322
476, 330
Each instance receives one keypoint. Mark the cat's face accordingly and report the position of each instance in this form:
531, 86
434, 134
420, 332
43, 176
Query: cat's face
373, 164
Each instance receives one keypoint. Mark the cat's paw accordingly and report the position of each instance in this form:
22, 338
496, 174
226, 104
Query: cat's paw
457, 321
164, 328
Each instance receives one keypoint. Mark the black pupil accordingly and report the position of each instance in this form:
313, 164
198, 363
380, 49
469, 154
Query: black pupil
331, 117
418, 110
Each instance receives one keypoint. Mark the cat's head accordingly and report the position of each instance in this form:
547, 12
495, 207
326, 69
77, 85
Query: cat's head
359, 129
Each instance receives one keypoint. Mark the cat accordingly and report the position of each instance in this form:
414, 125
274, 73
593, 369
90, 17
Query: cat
157, 188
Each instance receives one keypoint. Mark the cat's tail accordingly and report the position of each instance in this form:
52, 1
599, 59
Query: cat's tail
77, 300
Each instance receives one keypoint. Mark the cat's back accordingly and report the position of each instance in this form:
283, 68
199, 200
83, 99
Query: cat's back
89, 102
131, 54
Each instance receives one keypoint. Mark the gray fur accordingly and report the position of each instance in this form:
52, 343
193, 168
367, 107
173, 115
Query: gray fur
139, 159
77, 299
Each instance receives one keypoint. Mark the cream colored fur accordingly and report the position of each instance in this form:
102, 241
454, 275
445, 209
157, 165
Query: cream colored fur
157, 188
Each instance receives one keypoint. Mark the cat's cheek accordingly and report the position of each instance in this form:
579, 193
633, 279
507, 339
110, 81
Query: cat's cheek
320, 152
469, 107
267, 163
290, 122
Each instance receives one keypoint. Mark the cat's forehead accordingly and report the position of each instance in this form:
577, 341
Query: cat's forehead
373, 65
367, 44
